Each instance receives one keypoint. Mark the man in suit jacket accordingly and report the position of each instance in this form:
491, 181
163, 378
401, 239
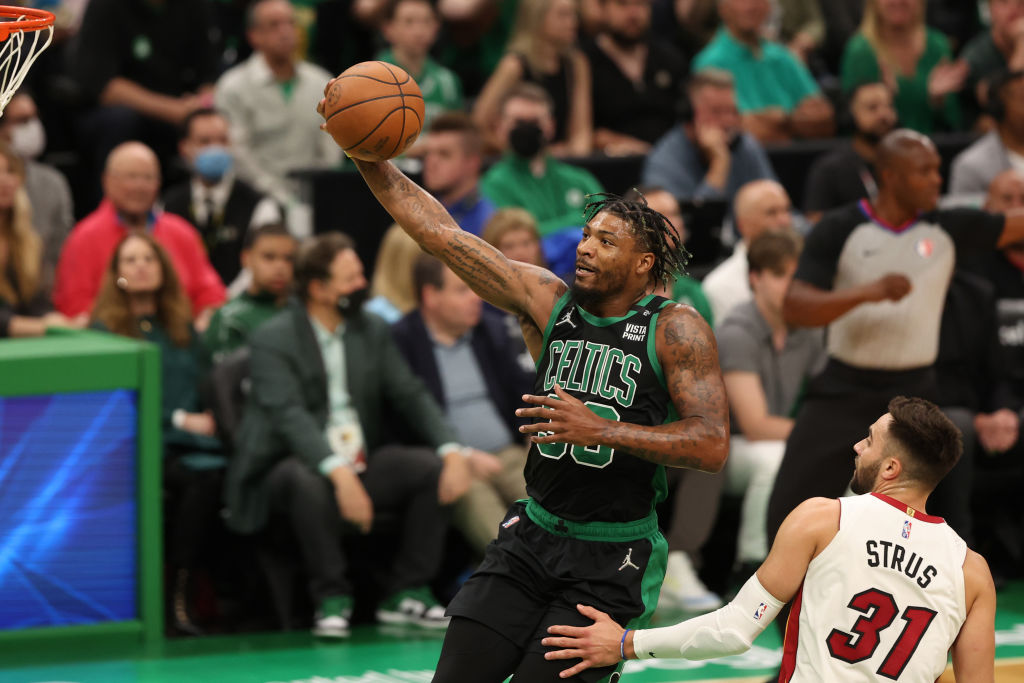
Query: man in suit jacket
312, 445
221, 206
465, 358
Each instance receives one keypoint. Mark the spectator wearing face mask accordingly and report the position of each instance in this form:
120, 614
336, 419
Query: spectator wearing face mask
315, 447
221, 206
48, 192
528, 177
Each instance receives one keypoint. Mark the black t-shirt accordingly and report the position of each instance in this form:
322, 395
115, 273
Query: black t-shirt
169, 48
647, 110
223, 231
851, 247
1008, 281
838, 178
559, 85
968, 369
611, 365
33, 306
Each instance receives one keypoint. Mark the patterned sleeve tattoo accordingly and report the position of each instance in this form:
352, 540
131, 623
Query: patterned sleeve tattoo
519, 288
700, 438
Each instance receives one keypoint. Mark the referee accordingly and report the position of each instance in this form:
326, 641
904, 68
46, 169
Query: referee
876, 274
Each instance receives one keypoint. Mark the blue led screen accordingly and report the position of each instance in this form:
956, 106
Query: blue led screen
68, 551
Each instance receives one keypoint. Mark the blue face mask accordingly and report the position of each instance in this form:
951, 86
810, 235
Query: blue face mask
213, 162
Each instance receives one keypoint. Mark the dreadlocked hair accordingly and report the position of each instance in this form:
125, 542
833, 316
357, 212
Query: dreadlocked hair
653, 232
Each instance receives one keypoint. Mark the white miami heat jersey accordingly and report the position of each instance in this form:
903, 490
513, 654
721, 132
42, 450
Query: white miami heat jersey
884, 601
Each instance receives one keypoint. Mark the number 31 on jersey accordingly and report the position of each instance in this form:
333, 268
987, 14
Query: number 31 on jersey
879, 610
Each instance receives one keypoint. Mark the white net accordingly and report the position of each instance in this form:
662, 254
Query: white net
18, 53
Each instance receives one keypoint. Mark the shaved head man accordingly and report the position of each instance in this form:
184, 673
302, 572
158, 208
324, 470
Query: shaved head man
760, 206
1005, 192
131, 181
875, 273
908, 169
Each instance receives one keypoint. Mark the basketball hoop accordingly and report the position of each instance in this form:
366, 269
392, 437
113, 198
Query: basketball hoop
18, 54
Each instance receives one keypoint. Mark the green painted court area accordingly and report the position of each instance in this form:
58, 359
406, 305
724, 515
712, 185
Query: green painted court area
377, 654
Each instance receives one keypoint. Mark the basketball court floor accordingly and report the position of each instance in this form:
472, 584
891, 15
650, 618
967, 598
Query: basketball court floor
377, 654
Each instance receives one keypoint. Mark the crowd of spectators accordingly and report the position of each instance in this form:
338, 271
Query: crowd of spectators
177, 134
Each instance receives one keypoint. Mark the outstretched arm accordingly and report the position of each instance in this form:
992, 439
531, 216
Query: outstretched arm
729, 630
523, 289
520, 288
809, 306
699, 439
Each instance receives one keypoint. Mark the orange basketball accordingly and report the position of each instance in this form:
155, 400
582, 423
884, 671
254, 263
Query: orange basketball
374, 111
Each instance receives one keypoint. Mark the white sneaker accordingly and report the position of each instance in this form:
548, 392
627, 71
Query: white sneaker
331, 619
414, 606
682, 588
333, 626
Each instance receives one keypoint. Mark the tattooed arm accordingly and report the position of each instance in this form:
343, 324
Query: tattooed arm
699, 439
520, 288
523, 289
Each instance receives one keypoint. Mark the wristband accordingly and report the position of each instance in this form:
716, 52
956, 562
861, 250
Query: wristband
178, 418
622, 644
730, 630
334, 461
446, 448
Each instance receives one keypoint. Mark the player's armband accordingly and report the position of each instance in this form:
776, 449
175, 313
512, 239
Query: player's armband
726, 631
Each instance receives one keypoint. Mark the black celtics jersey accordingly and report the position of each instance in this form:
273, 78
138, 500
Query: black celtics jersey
610, 364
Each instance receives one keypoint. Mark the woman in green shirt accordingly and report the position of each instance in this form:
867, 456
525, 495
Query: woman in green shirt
141, 297
895, 46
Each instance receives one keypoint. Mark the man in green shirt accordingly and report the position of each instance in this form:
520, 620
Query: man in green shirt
410, 28
777, 95
268, 252
528, 177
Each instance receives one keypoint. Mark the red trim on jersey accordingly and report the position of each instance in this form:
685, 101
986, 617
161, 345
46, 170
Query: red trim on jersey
907, 510
869, 211
790, 640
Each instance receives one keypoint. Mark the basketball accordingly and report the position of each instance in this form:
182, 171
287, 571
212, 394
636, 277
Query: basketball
374, 111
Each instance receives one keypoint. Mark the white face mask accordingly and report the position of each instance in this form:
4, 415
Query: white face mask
28, 140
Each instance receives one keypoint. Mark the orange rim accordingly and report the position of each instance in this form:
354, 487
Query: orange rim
35, 19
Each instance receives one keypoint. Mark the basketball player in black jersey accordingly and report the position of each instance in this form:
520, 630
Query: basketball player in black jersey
627, 383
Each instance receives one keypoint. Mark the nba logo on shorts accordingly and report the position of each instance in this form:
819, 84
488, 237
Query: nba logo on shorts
906, 529
759, 612
509, 522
